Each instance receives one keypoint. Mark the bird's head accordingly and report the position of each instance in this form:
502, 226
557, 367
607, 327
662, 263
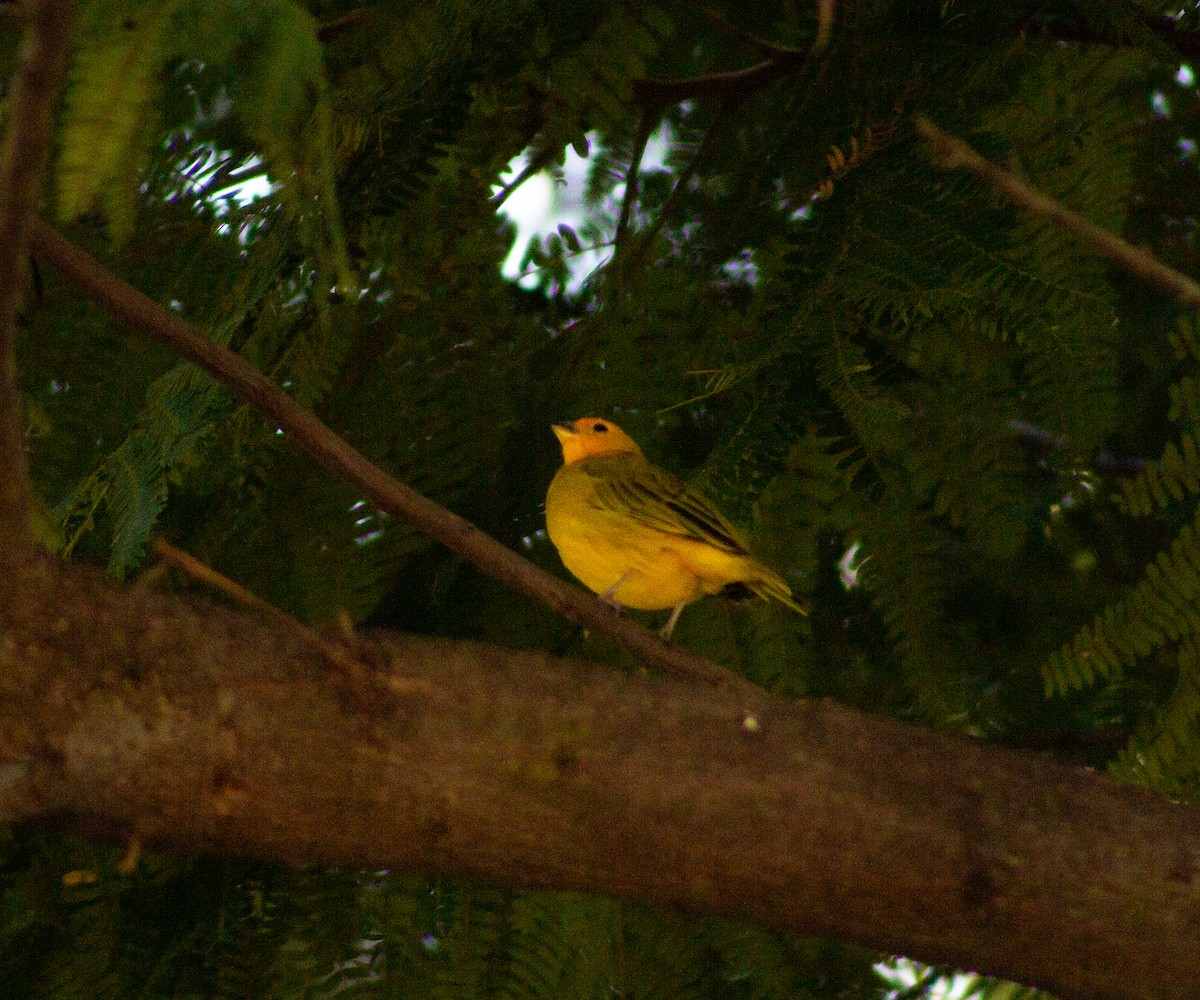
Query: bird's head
592, 437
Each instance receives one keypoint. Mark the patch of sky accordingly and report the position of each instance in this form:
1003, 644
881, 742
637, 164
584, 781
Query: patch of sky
554, 198
252, 183
741, 270
206, 174
907, 978
850, 565
536, 538
209, 176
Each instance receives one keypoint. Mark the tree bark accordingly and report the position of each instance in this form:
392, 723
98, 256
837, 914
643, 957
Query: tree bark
126, 713
29, 112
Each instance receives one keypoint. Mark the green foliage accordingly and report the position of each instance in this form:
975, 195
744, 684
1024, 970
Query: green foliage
1164, 753
959, 434
1170, 479
132, 481
1156, 611
238, 929
590, 84
1157, 617
268, 56
402, 109
110, 116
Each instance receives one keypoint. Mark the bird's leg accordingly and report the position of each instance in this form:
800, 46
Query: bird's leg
608, 597
666, 630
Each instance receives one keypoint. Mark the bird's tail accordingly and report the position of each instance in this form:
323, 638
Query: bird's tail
771, 586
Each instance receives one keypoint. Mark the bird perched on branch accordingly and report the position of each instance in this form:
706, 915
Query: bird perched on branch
639, 536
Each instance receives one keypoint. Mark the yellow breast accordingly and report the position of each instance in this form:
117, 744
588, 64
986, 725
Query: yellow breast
602, 546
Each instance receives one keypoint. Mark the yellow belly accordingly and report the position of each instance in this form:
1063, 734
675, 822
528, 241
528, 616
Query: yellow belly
649, 577
656, 570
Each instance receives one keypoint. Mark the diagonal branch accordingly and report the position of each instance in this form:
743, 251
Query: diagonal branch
335, 454
30, 110
953, 153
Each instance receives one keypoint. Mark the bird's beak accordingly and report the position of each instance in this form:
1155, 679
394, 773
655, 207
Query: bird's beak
563, 429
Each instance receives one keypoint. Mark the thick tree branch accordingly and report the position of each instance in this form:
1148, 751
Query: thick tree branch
1141, 263
30, 110
336, 455
128, 714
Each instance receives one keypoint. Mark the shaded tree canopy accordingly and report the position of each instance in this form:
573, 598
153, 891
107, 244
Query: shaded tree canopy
390, 761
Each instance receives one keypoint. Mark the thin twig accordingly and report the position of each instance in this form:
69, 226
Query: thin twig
210, 577
501, 196
729, 87
733, 85
567, 255
198, 570
1141, 263
645, 126
1164, 26
350, 669
737, 31
128, 864
30, 111
460, 536
736, 85
826, 12
681, 185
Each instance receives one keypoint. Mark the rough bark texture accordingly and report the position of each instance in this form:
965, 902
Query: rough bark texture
126, 712
28, 111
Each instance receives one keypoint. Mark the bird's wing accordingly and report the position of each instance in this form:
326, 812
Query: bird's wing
657, 499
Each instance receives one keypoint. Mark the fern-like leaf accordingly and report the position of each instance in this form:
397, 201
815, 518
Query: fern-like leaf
1164, 752
179, 413
113, 86
1160, 609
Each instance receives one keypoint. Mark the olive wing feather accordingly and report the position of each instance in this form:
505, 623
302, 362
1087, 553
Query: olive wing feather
657, 499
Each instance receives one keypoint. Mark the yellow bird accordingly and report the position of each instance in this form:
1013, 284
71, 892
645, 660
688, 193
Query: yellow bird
639, 536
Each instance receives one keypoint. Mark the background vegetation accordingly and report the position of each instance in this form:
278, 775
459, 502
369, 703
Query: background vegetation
968, 442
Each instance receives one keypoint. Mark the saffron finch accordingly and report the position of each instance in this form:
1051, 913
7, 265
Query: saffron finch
639, 536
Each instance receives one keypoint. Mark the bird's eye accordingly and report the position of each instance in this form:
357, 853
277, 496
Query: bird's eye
600, 428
